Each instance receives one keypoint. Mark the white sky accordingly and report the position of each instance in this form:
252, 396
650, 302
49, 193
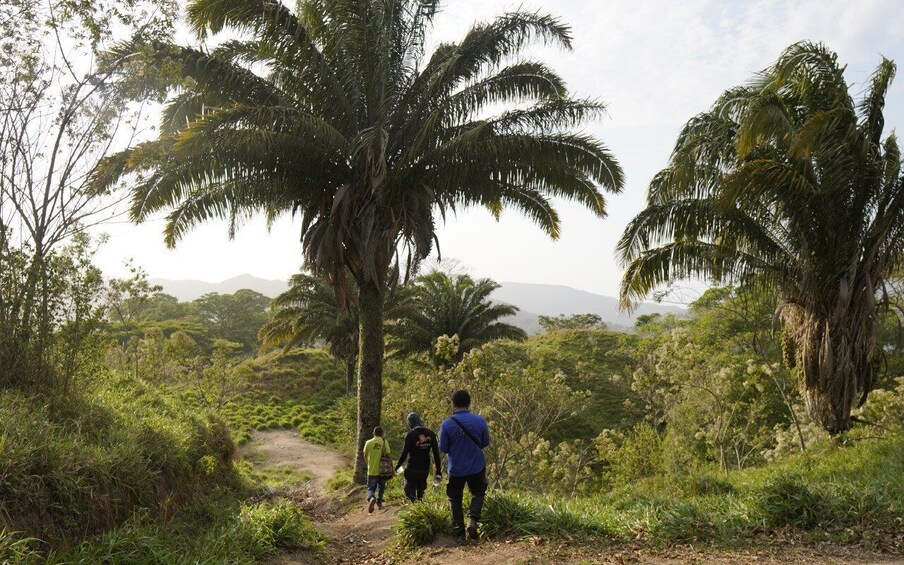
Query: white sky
655, 63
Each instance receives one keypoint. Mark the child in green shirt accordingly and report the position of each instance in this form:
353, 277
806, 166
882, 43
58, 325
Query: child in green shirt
374, 449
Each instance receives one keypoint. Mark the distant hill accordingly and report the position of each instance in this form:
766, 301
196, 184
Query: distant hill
187, 290
537, 300
533, 300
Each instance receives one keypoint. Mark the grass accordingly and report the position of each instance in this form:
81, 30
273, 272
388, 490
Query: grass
83, 464
127, 473
248, 534
295, 389
839, 494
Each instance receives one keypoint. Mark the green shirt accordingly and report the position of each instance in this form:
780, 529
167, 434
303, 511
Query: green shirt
373, 449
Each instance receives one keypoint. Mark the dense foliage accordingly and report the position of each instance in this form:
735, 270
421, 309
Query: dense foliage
787, 184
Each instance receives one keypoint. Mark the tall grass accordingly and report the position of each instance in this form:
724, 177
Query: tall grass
247, 535
82, 464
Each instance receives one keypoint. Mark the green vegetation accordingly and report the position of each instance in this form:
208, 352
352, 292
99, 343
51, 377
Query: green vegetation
140, 476
787, 185
829, 494
296, 388
448, 316
85, 463
121, 408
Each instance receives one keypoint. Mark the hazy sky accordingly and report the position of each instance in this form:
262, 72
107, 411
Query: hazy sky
655, 63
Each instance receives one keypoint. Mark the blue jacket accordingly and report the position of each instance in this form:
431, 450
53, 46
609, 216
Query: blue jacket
465, 457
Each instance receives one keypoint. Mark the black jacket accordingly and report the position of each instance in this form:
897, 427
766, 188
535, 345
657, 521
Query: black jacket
418, 444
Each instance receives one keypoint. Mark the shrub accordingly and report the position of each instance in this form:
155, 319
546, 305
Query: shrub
638, 456
281, 524
420, 523
788, 500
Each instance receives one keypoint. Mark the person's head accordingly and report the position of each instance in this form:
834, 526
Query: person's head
378, 432
461, 399
414, 420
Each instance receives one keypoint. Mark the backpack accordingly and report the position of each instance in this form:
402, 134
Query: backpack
387, 467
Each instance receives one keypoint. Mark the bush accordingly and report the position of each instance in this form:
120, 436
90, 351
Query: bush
638, 456
420, 523
280, 524
788, 500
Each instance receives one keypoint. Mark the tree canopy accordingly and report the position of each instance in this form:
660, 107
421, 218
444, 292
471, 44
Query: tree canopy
787, 184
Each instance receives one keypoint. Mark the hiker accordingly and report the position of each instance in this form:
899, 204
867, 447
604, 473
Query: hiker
374, 449
419, 442
463, 436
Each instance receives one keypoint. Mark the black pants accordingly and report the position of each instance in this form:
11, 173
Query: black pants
415, 484
455, 490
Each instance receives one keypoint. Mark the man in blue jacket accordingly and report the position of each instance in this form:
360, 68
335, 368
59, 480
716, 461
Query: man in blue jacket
463, 437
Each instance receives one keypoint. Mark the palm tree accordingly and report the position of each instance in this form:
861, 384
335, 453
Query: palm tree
787, 184
456, 307
334, 112
308, 313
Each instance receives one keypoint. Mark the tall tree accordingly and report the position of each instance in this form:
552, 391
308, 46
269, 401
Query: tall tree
789, 185
334, 112
233, 317
456, 307
59, 116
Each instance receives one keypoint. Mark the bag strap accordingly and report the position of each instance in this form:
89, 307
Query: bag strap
466, 431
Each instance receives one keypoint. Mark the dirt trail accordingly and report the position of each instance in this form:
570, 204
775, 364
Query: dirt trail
362, 538
285, 448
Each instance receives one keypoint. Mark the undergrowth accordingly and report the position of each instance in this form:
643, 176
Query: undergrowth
839, 494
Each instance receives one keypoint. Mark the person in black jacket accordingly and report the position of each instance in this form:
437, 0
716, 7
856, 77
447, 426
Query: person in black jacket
419, 442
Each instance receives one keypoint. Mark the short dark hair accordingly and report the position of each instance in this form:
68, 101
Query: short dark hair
378, 431
461, 399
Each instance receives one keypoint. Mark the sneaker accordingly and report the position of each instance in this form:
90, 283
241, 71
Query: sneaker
458, 532
380, 504
370, 507
472, 529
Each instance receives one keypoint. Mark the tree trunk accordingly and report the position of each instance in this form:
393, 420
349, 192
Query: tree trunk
370, 371
835, 367
350, 376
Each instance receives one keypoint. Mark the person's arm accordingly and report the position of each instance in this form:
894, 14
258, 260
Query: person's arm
439, 468
405, 450
443, 439
485, 439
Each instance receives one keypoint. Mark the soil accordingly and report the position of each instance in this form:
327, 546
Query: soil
362, 538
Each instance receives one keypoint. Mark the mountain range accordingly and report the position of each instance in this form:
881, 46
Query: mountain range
533, 300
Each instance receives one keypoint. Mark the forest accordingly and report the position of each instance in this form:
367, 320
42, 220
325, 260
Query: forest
766, 422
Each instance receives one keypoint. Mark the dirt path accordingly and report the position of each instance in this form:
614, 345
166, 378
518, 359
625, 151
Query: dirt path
355, 535
361, 538
285, 448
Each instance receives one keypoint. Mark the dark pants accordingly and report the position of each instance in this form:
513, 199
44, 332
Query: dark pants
477, 485
415, 484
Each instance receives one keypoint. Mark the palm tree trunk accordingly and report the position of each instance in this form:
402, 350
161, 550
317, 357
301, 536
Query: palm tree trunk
835, 361
350, 376
370, 370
